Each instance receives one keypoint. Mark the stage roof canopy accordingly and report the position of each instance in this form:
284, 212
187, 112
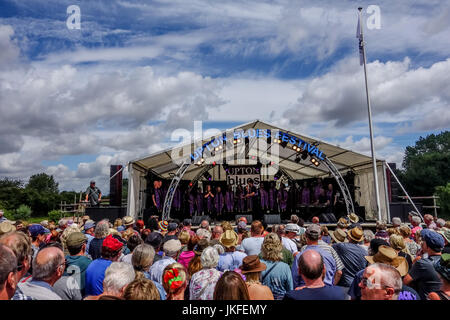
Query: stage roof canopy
161, 162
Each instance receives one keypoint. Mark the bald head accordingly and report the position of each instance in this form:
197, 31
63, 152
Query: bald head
217, 232
310, 265
47, 266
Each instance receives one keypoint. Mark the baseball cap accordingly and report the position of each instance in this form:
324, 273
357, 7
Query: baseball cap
313, 231
75, 239
433, 239
36, 230
89, 224
172, 227
242, 225
187, 222
112, 243
292, 227
171, 247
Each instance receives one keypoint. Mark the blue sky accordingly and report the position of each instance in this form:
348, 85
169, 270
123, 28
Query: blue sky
76, 101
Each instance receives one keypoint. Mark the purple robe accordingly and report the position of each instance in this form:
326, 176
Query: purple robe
199, 203
209, 203
240, 201
264, 199
219, 202
229, 201
306, 196
250, 199
191, 203
282, 199
317, 192
176, 201
272, 198
158, 198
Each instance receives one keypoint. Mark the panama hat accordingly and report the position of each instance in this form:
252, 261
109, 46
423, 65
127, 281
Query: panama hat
388, 255
338, 235
353, 218
128, 221
229, 239
356, 234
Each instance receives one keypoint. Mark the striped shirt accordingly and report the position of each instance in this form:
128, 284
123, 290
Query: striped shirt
327, 247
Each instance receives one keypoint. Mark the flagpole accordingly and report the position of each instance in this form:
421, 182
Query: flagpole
374, 161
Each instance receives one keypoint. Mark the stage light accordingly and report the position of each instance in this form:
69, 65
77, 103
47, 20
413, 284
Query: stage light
304, 155
275, 140
284, 144
214, 163
239, 141
315, 161
297, 159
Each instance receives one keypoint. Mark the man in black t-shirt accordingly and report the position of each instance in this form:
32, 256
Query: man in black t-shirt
422, 276
311, 268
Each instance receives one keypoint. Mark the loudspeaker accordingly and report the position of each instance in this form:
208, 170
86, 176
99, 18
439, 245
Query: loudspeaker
110, 213
327, 218
249, 217
401, 210
115, 185
272, 219
196, 220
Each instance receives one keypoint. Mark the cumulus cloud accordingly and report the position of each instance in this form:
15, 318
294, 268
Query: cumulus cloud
395, 88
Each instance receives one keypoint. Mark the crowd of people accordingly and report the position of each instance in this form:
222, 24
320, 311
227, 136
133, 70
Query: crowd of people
80, 259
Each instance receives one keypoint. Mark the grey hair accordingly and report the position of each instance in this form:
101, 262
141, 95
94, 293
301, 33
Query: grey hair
142, 257
42, 272
416, 219
209, 258
117, 276
8, 263
390, 276
396, 221
102, 229
368, 235
203, 233
220, 249
440, 222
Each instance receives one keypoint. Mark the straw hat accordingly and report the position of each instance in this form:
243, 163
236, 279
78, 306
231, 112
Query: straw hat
6, 227
229, 239
388, 255
338, 235
356, 234
353, 218
252, 264
128, 221
342, 223
445, 233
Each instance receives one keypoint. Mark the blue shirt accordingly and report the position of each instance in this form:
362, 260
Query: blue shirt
277, 277
328, 260
95, 274
323, 293
230, 260
352, 256
162, 292
89, 239
252, 245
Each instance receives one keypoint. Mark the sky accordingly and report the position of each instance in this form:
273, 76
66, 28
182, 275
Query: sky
74, 101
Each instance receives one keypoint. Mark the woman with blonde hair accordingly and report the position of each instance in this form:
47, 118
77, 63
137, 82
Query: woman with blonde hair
175, 280
141, 289
398, 244
277, 276
411, 245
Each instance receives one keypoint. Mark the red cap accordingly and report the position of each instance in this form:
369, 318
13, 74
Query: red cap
315, 220
140, 224
112, 243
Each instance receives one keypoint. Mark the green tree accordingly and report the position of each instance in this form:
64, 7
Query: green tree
443, 192
427, 164
42, 194
42, 182
11, 193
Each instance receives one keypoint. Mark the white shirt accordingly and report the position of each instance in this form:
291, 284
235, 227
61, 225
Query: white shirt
289, 244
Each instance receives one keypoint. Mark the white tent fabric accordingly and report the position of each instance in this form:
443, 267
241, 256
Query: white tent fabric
161, 164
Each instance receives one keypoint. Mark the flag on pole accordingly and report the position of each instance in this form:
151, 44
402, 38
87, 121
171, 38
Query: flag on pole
360, 37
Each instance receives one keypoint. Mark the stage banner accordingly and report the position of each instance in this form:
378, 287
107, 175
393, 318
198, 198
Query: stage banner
239, 175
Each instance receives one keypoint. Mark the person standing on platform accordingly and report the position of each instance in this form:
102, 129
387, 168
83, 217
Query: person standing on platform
272, 194
93, 194
209, 200
318, 190
306, 194
229, 200
331, 198
250, 193
264, 198
199, 201
157, 197
282, 197
240, 199
191, 202
219, 201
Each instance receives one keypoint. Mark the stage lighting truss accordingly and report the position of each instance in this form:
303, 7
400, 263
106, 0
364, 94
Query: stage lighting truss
207, 176
277, 175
